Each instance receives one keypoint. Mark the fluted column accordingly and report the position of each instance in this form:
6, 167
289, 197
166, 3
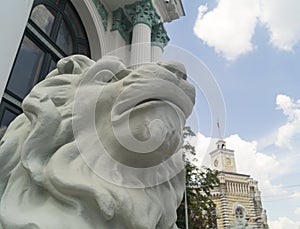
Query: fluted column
143, 17
140, 47
156, 53
159, 39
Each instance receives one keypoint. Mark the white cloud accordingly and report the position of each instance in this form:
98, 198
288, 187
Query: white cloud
282, 19
291, 109
297, 212
203, 145
267, 168
297, 196
230, 26
284, 223
260, 166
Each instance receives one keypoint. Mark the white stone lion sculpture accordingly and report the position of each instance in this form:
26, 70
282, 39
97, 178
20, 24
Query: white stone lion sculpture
98, 146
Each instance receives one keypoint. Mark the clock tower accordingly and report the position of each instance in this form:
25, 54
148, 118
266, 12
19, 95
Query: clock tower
222, 158
237, 197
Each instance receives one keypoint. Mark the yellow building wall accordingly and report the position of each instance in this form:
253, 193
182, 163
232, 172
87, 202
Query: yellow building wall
234, 197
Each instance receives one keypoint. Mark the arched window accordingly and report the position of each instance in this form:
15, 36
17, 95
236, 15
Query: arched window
239, 214
54, 30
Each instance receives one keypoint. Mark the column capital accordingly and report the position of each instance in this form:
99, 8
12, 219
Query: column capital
159, 35
122, 24
143, 12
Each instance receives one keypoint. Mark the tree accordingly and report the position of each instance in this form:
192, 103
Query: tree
199, 183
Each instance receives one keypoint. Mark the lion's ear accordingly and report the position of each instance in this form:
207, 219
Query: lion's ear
75, 64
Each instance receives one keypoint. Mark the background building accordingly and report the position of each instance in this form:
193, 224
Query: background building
36, 34
237, 198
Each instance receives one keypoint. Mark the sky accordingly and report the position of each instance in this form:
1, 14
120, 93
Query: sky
250, 50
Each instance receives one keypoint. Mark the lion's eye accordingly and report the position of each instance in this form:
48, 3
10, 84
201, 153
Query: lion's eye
104, 76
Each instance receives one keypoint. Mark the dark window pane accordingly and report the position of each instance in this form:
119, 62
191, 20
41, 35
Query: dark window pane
8, 116
83, 49
52, 66
27, 68
74, 18
64, 39
43, 18
8, 112
239, 213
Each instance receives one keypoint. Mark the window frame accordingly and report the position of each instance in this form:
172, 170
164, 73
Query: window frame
53, 52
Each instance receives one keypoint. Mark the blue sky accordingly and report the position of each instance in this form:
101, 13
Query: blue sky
252, 49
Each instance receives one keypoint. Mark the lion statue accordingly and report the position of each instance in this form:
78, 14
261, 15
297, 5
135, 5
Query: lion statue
98, 146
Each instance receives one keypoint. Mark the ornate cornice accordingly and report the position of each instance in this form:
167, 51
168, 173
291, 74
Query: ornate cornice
102, 12
142, 12
169, 10
122, 24
159, 36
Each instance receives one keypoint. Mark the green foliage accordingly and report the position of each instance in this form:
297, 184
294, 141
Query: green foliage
199, 182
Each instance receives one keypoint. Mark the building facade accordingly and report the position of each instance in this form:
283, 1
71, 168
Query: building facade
237, 198
44, 31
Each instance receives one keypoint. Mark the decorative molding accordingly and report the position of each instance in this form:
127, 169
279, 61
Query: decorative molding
230, 175
159, 35
122, 24
143, 12
169, 10
102, 12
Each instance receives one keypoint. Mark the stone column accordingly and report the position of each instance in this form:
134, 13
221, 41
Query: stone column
159, 39
156, 53
143, 17
140, 47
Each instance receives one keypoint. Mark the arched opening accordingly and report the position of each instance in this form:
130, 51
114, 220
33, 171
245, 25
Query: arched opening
94, 28
239, 214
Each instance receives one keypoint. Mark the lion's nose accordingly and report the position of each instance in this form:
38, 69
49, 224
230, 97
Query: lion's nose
180, 79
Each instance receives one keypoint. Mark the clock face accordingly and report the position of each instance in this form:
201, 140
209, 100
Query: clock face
228, 161
216, 163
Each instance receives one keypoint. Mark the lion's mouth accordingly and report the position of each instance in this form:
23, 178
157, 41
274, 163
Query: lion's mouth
124, 107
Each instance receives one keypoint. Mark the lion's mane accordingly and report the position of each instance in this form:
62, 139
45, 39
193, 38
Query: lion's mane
45, 183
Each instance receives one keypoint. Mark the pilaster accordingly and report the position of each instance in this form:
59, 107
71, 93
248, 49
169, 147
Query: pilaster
224, 207
252, 212
224, 202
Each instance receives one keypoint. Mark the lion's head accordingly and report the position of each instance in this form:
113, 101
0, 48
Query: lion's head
98, 146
